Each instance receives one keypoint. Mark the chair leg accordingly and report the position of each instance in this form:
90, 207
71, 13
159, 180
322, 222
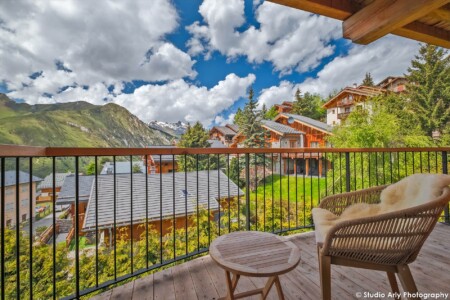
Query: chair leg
405, 276
325, 276
393, 283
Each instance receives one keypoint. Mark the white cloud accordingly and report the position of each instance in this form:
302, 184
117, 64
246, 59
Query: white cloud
222, 120
106, 43
288, 38
390, 55
181, 101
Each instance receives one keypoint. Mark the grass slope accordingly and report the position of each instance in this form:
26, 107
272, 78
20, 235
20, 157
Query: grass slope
75, 124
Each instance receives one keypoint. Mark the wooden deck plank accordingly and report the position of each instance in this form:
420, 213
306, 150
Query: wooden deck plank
163, 287
202, 279
182, 280
143, 288
203, 284
123, 292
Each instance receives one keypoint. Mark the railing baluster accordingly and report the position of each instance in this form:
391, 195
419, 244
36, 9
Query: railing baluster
273, 195
296, 190
185, 207
30, 216
256, 193
445, 171
131, 214
146, 211
160, 210
173, 203
288, 194
17, 228
304, 190
2, 228
198, 220
281, 197
54, 224
115, 216
209, 204
229, 199
77, 214
218, 191
264, 190
96, 220
247, 192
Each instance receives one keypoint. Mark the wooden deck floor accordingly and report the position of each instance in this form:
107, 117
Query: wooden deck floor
203, 279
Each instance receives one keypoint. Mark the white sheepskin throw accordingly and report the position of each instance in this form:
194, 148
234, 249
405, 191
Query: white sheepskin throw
411, 191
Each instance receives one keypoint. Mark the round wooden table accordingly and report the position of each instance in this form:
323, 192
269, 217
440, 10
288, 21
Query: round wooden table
254, 254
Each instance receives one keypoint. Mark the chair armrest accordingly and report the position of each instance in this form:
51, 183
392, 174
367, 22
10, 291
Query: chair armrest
337, 203
390, 239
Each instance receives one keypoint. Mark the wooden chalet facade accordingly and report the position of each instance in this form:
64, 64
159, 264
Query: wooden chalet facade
285, 107
395, 84
45, 187
340, 106
224, 134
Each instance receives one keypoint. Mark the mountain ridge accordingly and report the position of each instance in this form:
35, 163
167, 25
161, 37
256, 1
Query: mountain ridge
74, 124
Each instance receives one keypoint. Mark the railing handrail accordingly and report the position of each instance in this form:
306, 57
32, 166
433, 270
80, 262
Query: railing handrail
32, 151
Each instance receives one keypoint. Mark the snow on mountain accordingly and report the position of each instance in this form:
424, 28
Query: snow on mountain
174, 129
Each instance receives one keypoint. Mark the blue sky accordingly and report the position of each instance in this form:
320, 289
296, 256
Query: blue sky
181, 60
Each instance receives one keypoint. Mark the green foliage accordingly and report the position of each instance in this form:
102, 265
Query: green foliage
271, 113
197, 137
309, 105
368, 80
250, 124
429, 88
376, 126
136, 168
238, 116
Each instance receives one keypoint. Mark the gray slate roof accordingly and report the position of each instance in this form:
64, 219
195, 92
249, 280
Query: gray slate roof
123, 201
233, 127
216, 144
48, 180
24, 177
225, 130
281, 128
309, 121
122, 167
67, 193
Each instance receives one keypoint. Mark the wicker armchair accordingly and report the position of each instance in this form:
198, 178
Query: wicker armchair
386, 242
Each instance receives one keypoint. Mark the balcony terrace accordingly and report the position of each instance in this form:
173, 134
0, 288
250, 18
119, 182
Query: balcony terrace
127, 226
201, 278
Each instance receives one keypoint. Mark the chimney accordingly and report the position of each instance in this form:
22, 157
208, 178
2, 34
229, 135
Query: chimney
355, 85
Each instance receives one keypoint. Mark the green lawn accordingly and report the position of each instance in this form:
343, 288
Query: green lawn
83, 244
292, 188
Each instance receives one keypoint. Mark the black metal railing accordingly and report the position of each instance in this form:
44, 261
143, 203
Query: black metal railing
131, 222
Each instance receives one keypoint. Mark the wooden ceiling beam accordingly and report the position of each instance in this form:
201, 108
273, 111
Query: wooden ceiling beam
425, 33
385, 16
336, 9
441, 14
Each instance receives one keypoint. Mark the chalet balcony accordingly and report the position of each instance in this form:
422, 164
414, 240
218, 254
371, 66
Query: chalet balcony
146, 236
343, 116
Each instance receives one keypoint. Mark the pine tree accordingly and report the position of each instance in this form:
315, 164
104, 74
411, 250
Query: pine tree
195, 137
250, 124
238, 116
271, 113
429, 88
309, 105
368, 80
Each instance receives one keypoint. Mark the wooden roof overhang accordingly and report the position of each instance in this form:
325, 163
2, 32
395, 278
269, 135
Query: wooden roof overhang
365, 21
353, 91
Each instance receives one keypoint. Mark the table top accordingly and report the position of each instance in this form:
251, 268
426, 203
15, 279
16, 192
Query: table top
252, 253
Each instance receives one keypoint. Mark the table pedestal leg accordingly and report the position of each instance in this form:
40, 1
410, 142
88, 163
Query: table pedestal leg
231, 284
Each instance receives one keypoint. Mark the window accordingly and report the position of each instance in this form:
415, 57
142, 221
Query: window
9, 206
8, 223
347, 109
9, 191
292, 143
314, 144
24, 217
24, 202
333, 111
334, 122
